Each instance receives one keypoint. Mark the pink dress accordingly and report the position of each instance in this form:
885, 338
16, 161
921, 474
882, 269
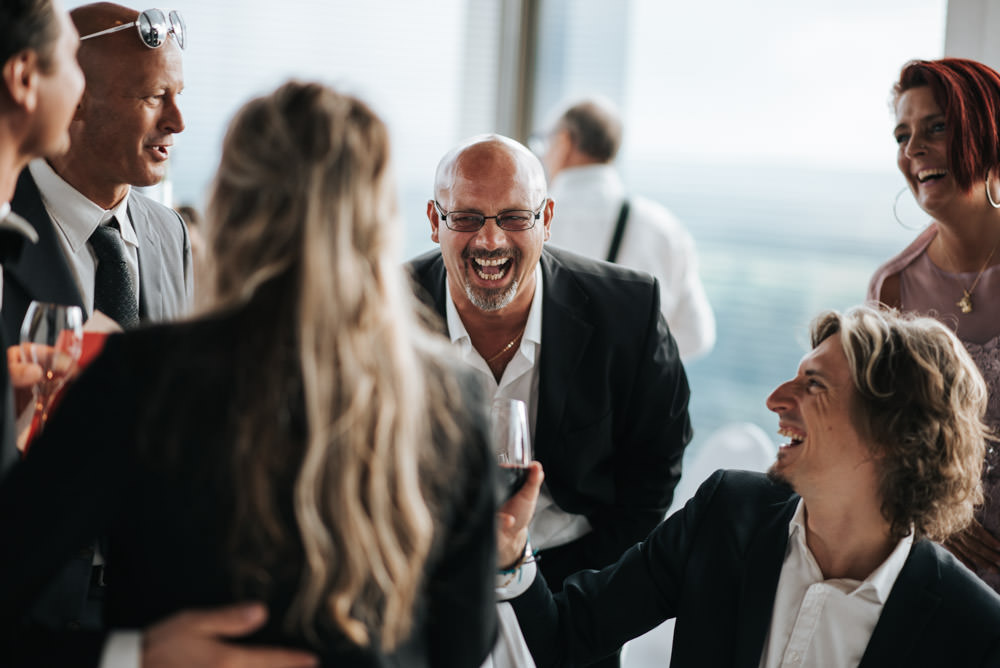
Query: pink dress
926, 289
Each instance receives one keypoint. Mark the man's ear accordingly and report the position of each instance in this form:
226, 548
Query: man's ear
432, 215
547, 214
20, 77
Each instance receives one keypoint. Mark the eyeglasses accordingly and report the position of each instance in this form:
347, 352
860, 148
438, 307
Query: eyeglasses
514, 220
154, 26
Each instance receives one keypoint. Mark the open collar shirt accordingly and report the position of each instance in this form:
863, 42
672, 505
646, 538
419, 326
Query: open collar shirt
817, 622
550, 525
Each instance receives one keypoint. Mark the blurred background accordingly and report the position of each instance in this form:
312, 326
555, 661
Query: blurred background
765, 126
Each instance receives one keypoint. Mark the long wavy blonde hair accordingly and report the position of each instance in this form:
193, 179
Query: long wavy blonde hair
303, 209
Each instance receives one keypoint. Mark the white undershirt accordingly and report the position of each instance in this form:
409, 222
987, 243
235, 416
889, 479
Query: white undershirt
75, 218
550, 525
825, 623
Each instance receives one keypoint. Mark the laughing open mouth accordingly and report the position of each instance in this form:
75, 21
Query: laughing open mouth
491, 269
794, 439
925, 175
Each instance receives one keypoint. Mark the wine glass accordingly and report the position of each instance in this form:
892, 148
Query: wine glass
52, 338
511, 444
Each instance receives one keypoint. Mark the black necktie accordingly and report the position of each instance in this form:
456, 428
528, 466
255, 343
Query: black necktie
114, 291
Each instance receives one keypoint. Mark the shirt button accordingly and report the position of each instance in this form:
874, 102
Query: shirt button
794, 657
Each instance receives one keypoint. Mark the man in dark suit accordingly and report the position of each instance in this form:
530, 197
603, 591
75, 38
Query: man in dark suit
827, 561
120, 137
581, 342
40, 86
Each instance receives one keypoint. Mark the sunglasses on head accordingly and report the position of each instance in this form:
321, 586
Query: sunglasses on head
154, 26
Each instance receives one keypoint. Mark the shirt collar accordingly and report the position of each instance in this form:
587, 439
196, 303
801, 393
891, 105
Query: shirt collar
532, 328
601, 177
76, 215
880, 581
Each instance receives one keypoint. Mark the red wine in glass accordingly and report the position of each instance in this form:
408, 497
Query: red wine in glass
511, 444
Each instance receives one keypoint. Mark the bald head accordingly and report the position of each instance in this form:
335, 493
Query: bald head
490, 155
97, 54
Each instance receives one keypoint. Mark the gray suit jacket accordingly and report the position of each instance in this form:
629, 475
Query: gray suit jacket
43, 273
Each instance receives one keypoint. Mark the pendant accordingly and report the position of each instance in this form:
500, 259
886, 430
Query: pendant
965, 303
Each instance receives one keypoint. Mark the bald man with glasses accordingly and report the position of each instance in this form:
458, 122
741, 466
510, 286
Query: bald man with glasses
582, 343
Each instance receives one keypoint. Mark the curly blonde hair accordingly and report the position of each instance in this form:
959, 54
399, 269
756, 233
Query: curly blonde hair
921, 399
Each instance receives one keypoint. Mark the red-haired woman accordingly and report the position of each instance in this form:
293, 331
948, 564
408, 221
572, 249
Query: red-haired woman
948, 131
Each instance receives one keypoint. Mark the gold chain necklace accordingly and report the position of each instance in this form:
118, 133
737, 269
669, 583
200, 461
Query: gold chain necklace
965, 303
510, 344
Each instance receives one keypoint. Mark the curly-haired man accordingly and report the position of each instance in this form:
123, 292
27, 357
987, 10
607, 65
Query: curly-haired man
826, 561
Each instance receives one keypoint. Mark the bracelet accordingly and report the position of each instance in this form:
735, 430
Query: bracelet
520, 560
528, 556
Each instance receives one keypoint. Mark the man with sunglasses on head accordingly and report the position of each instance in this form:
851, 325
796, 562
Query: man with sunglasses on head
581, 342
102, 244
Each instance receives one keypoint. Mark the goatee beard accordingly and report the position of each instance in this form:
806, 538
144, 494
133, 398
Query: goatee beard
492, 299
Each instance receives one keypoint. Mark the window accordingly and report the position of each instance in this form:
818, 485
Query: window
766, 128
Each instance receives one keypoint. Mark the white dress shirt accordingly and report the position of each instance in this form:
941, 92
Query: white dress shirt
588, 200
825, 623
75, 218
550, 526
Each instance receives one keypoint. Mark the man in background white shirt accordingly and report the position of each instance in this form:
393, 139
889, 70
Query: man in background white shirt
589, 196
828, 561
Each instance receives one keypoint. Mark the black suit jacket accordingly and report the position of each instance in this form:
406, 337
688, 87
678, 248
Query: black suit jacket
43, 273
612, 407
138, 452
715, 565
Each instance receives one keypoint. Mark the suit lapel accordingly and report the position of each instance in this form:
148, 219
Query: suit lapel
565, 335
150, 247
764, 560
43, 265
436, 287
907, 611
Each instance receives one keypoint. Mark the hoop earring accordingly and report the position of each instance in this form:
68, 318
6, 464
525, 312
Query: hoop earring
989, 195
895, 215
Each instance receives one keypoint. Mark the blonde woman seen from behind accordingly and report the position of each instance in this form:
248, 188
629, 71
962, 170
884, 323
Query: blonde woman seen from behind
307, 443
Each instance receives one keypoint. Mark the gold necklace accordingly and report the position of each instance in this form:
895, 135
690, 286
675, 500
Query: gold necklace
965, 303
510, 344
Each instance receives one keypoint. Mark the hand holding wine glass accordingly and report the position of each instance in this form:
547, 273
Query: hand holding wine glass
52, 338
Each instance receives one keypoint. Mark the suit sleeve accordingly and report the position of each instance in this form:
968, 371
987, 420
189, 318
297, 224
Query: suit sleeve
59, 497
598, 611
649, 438
462, 609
